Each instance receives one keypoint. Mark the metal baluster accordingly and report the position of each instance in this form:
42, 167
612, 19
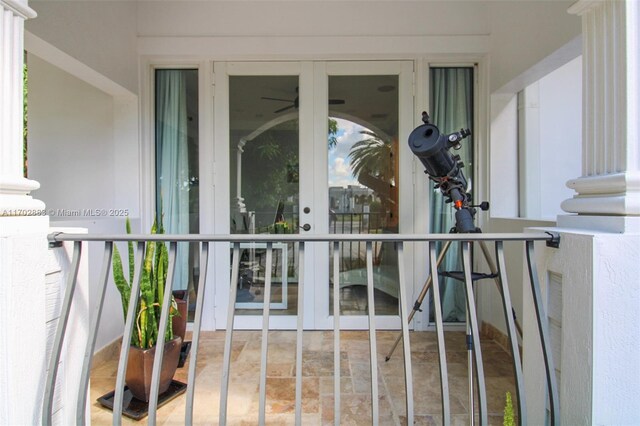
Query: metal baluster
511, 330
197, 324
126, 338
93, 333
162, 327
265, 335
475, 337
60, 331
300, 325
543, 332
442, 354
224, 385
402, 302
336, 333
351, 242
373, 352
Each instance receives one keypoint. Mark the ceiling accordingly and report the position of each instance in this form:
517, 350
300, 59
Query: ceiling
371, 101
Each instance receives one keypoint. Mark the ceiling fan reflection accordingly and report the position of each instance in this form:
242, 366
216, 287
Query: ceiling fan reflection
295, 103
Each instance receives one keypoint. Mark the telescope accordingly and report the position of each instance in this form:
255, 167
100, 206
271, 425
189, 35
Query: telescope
433, 149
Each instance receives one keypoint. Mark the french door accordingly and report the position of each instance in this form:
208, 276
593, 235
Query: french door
312, 148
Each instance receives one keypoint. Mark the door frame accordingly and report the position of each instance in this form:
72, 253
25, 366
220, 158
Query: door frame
322, 71
222, 222
313, 109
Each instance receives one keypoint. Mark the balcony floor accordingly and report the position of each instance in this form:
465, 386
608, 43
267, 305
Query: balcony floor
318, 382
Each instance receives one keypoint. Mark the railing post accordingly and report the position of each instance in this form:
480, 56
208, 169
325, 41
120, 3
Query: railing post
336, 333
197, 324
543, 334
474, 344
442, 354
60, 333
118, 398
511, 330
162, 328
226, 363
373, 352
299, 329
93, 334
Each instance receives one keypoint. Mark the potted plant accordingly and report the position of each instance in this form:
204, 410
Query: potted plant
147, 319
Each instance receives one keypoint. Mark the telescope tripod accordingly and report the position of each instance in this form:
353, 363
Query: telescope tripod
468, 282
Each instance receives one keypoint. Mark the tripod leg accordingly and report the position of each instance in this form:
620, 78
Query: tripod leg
423, 294
494, 271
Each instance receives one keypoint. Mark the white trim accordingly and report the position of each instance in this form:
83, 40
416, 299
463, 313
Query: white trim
583, 6
44, 50
205, 151
273, 48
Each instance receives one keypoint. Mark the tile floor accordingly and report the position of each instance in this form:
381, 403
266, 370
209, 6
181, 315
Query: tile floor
318, 380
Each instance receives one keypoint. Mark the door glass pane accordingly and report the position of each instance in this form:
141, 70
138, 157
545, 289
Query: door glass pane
177, 195
363, 187
264, 146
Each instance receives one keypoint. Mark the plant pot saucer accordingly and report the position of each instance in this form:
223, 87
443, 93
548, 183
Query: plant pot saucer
136, 409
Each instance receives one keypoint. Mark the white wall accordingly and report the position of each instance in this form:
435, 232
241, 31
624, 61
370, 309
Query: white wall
560, 135
528, 40
76, 157
344, 18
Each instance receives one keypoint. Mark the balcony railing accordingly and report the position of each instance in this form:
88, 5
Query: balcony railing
302, 241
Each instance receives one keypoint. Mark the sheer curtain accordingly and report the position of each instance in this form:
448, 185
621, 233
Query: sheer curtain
172, 163
451, 110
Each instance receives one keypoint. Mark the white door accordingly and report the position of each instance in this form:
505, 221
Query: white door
318, 144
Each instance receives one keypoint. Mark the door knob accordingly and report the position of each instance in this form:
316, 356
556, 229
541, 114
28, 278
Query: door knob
306, 227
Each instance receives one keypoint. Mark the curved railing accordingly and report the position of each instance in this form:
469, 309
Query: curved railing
303, 241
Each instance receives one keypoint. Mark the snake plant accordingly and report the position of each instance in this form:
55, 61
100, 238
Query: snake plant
152, 282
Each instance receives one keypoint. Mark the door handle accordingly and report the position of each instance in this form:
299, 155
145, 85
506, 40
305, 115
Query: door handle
306, 227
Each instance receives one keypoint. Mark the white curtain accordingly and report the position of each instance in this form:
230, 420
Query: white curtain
172, 163
451, 110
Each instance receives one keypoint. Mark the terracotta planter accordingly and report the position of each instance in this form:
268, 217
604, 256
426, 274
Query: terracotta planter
140, 368
179, 323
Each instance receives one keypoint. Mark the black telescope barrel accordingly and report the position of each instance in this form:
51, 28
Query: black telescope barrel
430, 146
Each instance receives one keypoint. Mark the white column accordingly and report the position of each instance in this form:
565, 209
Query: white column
610, 181
14, 188
23, 243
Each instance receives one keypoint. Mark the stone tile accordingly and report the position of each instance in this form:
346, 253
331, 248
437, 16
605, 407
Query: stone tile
281, 396
422, 420
496, 389
361, 375
327, 385
356, 410
318, 379
320, 363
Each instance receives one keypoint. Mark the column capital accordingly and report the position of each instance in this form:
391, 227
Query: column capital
19, 8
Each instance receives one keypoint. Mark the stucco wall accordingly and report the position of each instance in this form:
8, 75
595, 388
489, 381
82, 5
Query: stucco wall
599, 336
82, 165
